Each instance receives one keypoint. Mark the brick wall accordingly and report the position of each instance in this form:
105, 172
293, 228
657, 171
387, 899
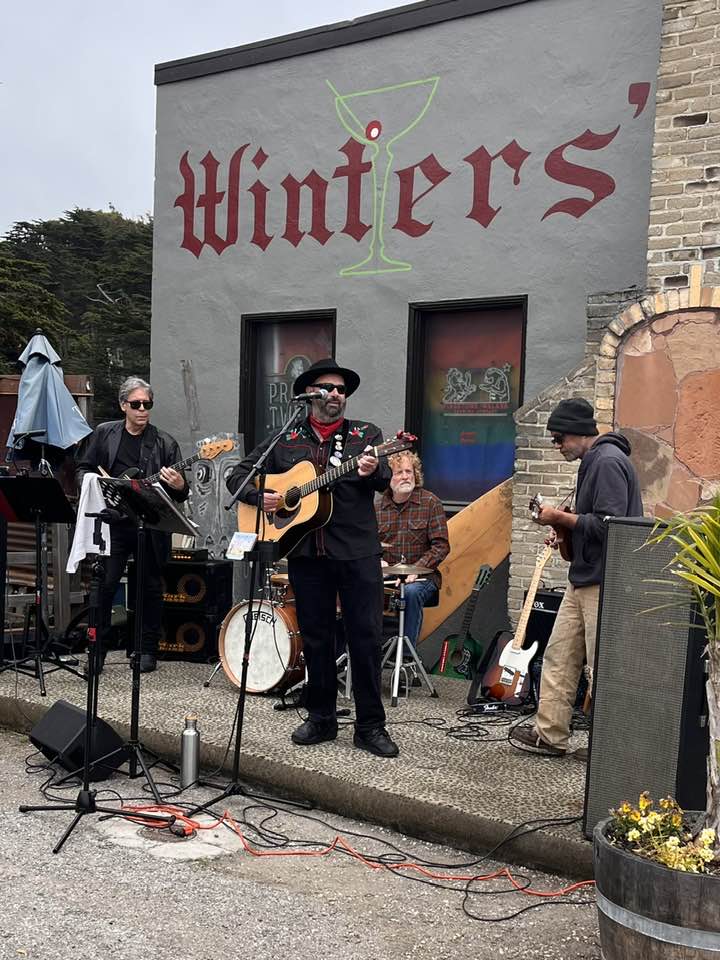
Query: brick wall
539, 468
685, 198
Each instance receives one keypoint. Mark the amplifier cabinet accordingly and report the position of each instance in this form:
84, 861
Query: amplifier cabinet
204, 586
649, 729
188, 635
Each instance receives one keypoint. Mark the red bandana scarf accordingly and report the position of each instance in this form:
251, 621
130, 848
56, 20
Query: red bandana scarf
326, 430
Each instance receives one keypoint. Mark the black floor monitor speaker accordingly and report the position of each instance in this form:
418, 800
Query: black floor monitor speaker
60, 736
649, 728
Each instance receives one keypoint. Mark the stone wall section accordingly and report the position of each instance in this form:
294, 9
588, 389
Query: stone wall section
685, 197
676, 337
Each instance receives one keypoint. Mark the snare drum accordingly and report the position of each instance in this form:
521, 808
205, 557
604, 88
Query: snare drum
276, 660
280, 590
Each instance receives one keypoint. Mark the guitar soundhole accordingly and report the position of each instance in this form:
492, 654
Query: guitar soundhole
292, 498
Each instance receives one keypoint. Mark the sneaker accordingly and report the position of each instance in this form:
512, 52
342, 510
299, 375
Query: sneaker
148, 663
313, 731
529, 737
376, 741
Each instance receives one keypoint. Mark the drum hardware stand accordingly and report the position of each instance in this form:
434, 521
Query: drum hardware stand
38, 500
400, 644
85, 801
264, 553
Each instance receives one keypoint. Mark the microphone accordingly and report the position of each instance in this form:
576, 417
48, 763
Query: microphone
313, 395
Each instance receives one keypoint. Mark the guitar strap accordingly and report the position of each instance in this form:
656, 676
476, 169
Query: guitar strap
146, 449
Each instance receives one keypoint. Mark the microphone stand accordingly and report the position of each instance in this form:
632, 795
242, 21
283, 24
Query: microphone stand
85, 802
259, 557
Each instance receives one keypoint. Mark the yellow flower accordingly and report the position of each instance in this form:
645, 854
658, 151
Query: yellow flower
644, 801
707, 837
672, 842
633, 834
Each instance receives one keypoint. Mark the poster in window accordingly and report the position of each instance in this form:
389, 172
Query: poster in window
472, 382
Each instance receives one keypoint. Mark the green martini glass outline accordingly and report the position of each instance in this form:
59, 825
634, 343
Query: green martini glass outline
358, 132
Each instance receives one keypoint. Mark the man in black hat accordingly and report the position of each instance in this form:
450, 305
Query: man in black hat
341, 558
607, 485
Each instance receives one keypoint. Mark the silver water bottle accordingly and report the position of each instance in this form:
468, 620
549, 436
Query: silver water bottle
189, 752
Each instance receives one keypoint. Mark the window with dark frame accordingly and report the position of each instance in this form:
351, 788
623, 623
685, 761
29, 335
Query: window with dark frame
274, 350
465, 371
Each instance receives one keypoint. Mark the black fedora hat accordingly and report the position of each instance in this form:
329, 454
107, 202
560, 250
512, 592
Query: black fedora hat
352, 380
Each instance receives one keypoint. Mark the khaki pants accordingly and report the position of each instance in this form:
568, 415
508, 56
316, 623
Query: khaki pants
572, 640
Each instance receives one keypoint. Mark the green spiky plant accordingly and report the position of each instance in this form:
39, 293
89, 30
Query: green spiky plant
696, 535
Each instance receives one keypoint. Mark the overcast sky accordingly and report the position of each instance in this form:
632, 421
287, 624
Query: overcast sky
77, 98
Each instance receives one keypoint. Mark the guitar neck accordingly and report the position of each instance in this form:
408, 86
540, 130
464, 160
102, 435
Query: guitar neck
521, 630
325, 479
176, 466
469, 612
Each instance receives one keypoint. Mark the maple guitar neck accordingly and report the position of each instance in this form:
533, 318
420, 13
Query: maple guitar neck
521, 629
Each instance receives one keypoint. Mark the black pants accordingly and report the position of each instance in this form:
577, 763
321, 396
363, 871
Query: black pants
123, 543
316, 583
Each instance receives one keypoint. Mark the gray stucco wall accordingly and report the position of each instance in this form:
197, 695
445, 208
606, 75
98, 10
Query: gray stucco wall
541, 74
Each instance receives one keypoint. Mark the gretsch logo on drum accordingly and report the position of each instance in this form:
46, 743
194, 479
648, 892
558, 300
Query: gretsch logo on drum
261, 615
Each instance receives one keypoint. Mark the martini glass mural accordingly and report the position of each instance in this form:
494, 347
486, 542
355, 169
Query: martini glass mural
379, 118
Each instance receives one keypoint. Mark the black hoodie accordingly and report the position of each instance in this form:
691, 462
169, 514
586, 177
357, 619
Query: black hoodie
607, 486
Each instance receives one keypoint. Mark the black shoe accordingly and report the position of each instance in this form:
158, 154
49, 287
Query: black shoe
312, 731
529, 737
376, 741
148, 663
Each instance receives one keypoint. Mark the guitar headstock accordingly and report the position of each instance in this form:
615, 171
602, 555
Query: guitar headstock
483, 577
209, 449
535, 506
401, 441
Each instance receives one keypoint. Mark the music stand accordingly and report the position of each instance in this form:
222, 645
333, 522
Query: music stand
85, 802
36, 500
150, 508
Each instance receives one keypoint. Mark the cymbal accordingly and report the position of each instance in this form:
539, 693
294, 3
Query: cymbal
405, 570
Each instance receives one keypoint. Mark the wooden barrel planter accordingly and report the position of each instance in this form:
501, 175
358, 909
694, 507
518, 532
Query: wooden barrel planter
648, 912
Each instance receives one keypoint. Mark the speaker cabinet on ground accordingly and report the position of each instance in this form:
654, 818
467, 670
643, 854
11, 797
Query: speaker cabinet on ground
203, 585
188, 635
648, 727
60, 736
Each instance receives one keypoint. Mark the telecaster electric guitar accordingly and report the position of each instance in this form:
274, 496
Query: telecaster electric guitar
563, 536
306, 502
507, 675
208, 450
460, 652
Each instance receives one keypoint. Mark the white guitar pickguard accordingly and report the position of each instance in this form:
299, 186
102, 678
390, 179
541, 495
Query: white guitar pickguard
515, 662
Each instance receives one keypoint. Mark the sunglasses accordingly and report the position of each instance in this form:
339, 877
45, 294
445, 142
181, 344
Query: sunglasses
557, 440
136, 404
340, 387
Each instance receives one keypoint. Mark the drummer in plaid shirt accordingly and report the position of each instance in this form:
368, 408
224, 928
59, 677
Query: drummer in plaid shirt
411, 521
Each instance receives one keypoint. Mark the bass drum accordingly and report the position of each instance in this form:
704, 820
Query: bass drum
276, 660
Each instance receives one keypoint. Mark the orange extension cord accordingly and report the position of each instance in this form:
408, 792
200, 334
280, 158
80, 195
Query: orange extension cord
190, 825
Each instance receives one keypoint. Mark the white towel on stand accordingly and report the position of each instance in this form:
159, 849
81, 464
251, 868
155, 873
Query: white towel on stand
91, 501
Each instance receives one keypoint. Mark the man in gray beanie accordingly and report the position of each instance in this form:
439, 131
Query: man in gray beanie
607, 485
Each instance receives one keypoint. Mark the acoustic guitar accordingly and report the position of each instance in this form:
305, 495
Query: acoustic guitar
563, 536
306, 502
208, 450
506, 676
460, 652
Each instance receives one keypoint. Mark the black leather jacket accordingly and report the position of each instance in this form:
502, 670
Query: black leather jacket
158, 449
